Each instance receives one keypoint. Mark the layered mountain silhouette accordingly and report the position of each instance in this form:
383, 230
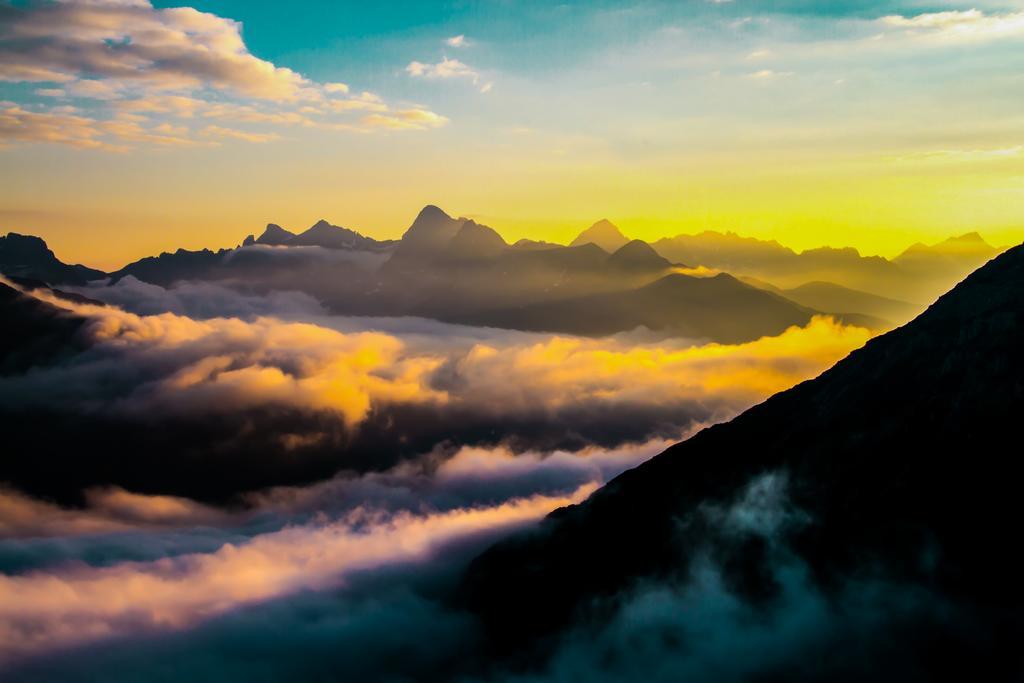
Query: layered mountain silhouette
720, 307
828, 296
918, 275
458, 270
29, 257
900, 465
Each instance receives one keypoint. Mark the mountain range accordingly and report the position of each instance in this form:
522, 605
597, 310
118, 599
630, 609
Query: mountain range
457, 270
898, 465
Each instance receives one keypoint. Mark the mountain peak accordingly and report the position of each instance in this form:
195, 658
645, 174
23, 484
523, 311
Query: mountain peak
432, 229
29, 256
637, 255
430, 212
604, 234
274, 235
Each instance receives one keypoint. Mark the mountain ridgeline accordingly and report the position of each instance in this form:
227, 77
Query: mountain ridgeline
898, 467
708, 286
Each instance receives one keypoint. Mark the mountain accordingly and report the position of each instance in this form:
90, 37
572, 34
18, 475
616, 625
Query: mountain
431, 230
917, 276
275, 235
28, 256
833, 298
899, 466
637, 255
35, 332
535, 244
323, 234
719, 308
602, 233
475, 241
168, 268
969, 248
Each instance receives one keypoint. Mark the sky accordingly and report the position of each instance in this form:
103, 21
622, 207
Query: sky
129, 128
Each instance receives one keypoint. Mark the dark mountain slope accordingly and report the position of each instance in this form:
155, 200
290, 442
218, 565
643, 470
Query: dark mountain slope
637, 256
323, 234
28, 256
904, 458
275, 235
720, 308
34, 332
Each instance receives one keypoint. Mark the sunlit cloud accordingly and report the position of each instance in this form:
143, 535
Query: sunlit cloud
958, 26
953, 156
165, 63
221, 132
457, 41
59, 125
44, 610
448, 69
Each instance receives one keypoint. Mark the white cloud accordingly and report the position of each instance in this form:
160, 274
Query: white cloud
768, 75
447, 69
457, 41
958, 26
138, 62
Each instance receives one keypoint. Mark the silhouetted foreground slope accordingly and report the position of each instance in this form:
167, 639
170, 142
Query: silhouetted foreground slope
52, 332
903, 461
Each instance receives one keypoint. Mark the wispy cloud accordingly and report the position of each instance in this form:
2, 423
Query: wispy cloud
448, 69
457, 41
958, 26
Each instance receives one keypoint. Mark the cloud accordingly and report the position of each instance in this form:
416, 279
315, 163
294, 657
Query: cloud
296, 401
134, 42
447, 69
133, 58
961, 155
63, 126
405, 119
457, 41
108, 510
363, 592
957, 26
221, 132
768, 75
40, 611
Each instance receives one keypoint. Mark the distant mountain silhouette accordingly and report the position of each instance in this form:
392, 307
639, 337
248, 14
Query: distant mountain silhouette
720, 308
903, 459
457, 270
535, 244
917, 276
604, 234
637, 255
168, 268
28, 256
275, 235
323, 234
965, 249
833, 298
